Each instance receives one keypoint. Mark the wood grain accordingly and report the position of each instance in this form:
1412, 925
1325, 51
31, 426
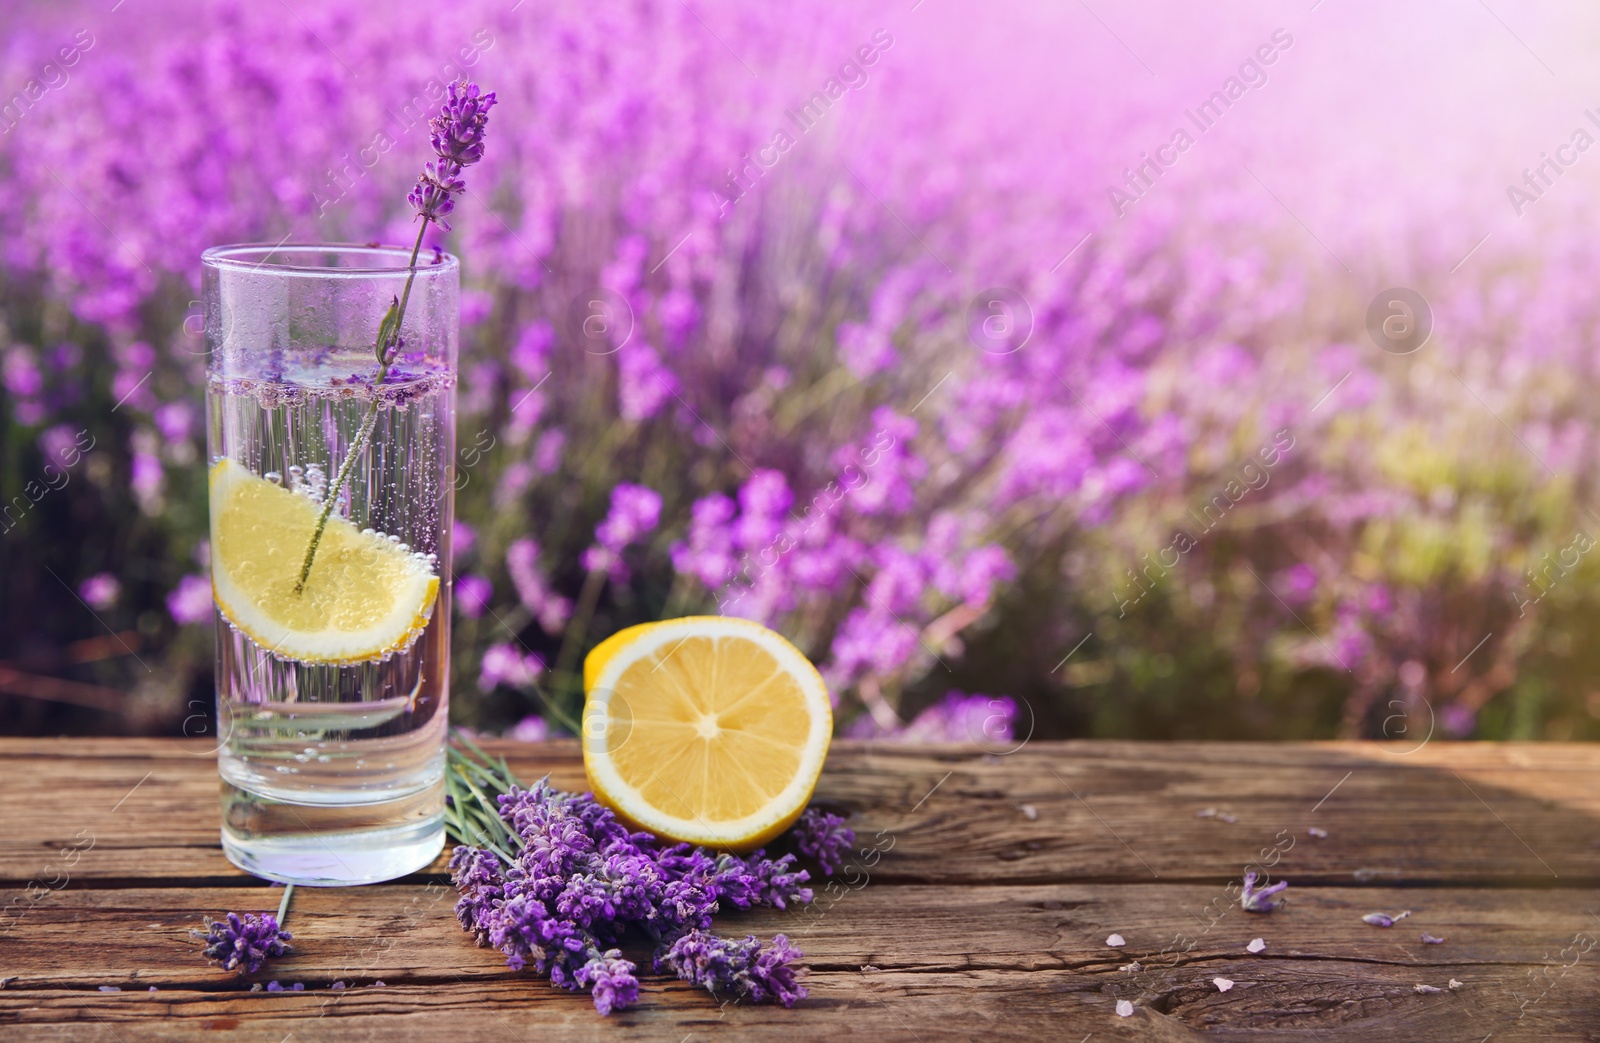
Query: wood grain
985, 915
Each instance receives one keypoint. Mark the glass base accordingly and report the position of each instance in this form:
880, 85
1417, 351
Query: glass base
323, 845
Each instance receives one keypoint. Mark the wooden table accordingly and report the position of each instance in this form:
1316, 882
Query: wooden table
985, 916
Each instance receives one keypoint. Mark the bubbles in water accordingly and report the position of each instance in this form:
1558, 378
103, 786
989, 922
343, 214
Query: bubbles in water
274, 477
397, 487
310, 481
317, 481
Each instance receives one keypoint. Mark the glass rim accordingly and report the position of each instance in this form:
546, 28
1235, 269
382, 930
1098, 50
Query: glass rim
253, 257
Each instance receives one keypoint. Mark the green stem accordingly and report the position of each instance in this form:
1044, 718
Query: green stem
562, 717
283, 906
367, 424
577, 630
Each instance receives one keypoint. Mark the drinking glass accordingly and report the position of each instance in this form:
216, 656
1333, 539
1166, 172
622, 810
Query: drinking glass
332, 768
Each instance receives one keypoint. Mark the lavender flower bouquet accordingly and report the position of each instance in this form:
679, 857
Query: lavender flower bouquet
552, 880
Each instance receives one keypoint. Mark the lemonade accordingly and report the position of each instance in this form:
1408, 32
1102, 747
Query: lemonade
332, 696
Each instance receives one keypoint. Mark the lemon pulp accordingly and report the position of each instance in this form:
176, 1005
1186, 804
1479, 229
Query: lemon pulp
365, 598
706, 729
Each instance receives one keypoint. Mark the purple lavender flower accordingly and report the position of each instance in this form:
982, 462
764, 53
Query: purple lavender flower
473, 594
549, 608
635, 512
1384, 919
759, 880
100, 591
19, 371
824, 837
503, 664
463, 537
742, 970
707, 551
1259, 901
190, 600
458, 129
610, 980
243, 944
458, 140
644, 385
434, 187
579, 879
532, 728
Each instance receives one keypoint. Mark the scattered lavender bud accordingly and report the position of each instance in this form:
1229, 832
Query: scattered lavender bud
1454, 985
243, 944
1225, 817
1317, 831
1425, 990
1206, 813
867, 968
1124, 1009
109, 988
378, 985
1384, 920
255, 987
1116, 941
298, 986
1222, 984
1428, 939
1029, 812
1256, 944
152, 988
1254, 901
337, 986
1134, 966
273, 986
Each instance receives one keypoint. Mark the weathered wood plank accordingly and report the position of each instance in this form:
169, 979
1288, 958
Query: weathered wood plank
1008, 961
1046, 1005
982, 914
1049, 812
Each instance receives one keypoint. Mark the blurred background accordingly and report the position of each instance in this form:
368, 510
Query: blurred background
1144, 370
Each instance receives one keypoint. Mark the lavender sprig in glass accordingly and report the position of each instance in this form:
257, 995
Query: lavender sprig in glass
457, 140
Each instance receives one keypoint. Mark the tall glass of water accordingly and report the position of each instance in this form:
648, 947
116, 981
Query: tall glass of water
331, 512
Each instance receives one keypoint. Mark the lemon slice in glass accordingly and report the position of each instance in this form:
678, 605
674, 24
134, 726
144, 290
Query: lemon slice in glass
706, 729
367, 597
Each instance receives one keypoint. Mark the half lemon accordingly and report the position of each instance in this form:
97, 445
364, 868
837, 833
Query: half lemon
706, 729
366, 597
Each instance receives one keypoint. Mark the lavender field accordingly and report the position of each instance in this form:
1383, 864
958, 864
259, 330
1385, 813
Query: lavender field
1075, 370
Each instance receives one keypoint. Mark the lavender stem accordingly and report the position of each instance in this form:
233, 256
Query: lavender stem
367, 424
